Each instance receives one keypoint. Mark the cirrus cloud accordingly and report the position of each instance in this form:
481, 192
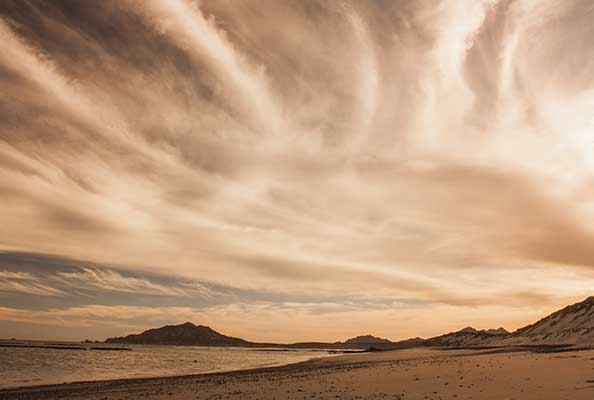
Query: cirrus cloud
423, 151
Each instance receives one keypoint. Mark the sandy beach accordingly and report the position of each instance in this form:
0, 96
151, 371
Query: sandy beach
405, 374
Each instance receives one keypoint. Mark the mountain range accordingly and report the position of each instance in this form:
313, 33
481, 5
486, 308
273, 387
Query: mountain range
199, 335
572, 325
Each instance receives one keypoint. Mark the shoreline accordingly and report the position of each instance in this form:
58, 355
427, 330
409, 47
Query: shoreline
48, 389
398, 374
141, 379
467, 351
303, 364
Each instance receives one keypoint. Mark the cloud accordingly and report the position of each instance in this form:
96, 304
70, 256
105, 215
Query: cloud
47, 275
15, 275
24, 282
307, 151
107, 280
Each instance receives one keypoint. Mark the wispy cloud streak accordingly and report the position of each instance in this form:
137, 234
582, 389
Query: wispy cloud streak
425, 151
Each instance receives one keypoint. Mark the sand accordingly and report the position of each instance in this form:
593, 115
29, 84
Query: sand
404, 374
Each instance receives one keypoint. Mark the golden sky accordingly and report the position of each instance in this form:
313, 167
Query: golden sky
294, 170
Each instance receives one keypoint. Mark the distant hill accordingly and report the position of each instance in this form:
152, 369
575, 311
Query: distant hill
184, 334
367, 339
498, 331
466, 337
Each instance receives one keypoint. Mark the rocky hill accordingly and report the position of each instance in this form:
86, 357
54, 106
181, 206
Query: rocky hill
498, 331
467, 337
573, 324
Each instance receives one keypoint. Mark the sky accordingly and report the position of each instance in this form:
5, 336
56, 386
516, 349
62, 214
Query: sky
294, 170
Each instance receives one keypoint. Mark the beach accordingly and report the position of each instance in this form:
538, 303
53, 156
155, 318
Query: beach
403, 374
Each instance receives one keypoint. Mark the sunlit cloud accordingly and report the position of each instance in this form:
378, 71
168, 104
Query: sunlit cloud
421, 152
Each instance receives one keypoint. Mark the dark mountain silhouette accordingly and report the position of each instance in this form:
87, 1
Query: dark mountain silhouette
366, 339
184, 334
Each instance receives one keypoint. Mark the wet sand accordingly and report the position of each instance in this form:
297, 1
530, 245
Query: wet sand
404, 374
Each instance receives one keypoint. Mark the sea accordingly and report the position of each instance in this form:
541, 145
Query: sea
42, 363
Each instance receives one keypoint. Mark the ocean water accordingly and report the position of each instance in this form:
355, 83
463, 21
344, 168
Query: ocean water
23, 366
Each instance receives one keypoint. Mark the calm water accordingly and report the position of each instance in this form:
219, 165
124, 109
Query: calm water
37, 366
